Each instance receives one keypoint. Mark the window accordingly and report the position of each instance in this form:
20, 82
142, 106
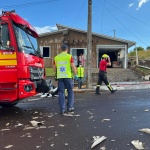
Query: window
45, 50
5, 37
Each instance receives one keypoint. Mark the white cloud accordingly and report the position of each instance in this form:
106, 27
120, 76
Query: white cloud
130, 5
45, 29
141, 2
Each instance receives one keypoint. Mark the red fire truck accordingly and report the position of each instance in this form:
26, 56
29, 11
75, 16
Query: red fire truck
21, 63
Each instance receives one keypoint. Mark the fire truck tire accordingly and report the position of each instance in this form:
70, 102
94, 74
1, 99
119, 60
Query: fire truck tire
8, 105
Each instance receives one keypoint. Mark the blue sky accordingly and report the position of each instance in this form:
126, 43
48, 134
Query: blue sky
128, 19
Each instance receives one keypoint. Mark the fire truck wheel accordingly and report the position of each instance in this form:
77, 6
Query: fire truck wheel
8, 105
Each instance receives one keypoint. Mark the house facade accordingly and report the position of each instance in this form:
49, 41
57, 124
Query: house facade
50, 45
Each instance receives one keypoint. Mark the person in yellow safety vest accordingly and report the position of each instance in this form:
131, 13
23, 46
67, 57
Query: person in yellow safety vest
63, 63
80, 73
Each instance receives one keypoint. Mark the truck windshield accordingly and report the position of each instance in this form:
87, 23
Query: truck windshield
26, 43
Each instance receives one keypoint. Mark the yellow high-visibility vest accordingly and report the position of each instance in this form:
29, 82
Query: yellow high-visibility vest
62, 62
80, 71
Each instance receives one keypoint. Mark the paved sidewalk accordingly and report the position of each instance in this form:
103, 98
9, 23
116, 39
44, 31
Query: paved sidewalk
119, 86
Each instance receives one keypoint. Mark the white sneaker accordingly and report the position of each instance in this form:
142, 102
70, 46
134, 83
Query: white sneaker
44, 95
50, 95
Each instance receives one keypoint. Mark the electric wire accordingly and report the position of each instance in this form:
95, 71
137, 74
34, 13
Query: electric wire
128, 14
78, 14
123, 25
28, 4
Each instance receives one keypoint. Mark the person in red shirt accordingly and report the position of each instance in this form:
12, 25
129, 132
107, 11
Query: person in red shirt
102, 77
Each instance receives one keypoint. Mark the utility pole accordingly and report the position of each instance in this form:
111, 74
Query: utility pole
114, 33
89, 45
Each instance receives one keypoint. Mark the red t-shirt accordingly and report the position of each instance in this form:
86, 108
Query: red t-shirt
103, 65
71, 60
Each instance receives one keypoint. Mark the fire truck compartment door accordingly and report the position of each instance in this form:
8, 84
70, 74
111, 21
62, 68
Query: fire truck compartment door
8, 75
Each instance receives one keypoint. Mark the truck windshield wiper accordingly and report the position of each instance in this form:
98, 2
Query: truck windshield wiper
32, 54
27, 46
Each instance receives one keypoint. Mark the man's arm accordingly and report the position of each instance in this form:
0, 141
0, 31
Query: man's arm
109, 62
74, 68
54, 67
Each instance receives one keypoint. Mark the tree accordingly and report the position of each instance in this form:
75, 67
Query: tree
139, 48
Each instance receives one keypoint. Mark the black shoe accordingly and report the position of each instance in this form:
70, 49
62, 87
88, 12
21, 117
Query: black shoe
97, 93
71, 110
113, 91
63, 113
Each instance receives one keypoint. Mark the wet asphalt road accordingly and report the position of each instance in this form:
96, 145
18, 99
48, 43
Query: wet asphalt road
128, 112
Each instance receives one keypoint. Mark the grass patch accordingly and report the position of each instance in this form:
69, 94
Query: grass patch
50, 72
142, 71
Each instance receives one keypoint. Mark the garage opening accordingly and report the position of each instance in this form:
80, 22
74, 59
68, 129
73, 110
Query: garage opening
114, 57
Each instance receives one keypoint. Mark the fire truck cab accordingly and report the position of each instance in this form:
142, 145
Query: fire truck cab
21, 63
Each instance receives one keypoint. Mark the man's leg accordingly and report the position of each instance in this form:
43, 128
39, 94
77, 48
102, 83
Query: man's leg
108, 84
97, 92
79, 83
61, 98
69, 86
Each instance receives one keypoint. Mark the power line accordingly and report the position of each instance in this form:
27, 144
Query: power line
128, 14
28, 4
124, 26
78, 14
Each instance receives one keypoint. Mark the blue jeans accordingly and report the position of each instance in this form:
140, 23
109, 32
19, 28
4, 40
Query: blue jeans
80, 82
65, 83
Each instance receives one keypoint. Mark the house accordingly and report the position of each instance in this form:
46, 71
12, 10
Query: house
76, 39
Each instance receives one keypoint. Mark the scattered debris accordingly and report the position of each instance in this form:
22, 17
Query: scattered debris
71, 115
9, 146
7, 124
35, 118
36, 123
61, 125
91, 117
138, 145
50, 126
103, 148
146, 130
146, 110
5, 129
28, 128
18, 125
38, 147
97, 140
105, 120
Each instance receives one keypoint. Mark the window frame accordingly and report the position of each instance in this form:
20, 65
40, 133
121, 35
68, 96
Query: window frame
41, 48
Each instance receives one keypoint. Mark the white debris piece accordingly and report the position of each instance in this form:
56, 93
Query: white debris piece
5, 129
146, 110
138, 145
66, 144
7, 124
36, 123
103, 148
28, 128
71, 115
38, 147
9, 146
91, 117
105, 120
61, 125
35, 118
146, 130
50, 126
97, 140
19, 125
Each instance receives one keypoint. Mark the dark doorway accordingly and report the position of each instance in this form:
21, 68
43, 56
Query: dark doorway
79, 52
